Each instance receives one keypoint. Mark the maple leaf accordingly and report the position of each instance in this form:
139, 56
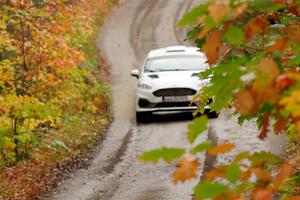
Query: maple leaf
186, 168
262, 174
261, 194
284, 81
256, 25
245, 175
214, 173
280, 125
269, 67
279, 45
285, 172
221, 149
291, 103
209, 190
245, 102
218, 11
211, 46
293, 32
239, 10
265, 125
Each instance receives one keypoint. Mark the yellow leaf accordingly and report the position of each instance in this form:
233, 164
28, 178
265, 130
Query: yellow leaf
292, 103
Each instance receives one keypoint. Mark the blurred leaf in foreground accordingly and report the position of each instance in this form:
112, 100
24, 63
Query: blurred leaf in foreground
167, 154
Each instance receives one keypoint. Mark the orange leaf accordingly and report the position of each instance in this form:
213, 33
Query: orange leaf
245, 102
279, 45
256, 25
269, 67
261, 194
280, 125
265, 125
221, 149
238, 197
297, 123
262, 174
293, 198
293, 32
214, 173
264, 91
245, 175
186, 169
286, 171
211, 46
217, 11
204, 31
284, 81
239, 10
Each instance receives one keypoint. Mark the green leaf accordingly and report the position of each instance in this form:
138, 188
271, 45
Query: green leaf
241, 156
284, 20
234, 35
267, 5
202, 147
233, 173
295, 60
197, 127
200, 42
261, 4
208, 189
264, 157
167, 154
192, 16
192, 33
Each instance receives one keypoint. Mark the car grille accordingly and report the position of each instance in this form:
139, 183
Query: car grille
174, 104
174, 92
143, 103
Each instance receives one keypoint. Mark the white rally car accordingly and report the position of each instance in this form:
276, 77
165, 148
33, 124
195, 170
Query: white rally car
168, 80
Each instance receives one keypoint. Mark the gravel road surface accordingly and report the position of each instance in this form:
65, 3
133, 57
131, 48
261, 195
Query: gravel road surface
115, 173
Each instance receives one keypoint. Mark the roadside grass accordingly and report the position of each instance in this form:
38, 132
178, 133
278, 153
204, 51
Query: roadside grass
63, 149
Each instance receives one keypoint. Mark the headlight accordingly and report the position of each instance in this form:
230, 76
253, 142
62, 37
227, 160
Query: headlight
144, 86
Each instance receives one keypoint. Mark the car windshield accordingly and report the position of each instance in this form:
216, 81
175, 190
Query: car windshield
192, 63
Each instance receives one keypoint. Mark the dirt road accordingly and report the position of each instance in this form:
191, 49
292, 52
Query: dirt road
116, 173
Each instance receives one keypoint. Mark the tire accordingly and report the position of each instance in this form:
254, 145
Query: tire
212, 114
142, 117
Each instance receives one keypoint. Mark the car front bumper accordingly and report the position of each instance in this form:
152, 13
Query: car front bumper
147, 102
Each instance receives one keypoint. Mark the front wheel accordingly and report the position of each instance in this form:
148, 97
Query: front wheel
212, 114
142, 117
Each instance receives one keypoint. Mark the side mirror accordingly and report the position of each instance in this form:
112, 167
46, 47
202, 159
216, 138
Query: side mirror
135, 73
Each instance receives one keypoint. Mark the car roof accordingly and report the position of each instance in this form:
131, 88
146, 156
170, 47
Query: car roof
175, 51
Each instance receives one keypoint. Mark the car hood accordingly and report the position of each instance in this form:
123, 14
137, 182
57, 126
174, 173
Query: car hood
173, 79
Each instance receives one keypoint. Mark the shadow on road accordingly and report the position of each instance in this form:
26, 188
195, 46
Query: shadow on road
175, 117
170, 117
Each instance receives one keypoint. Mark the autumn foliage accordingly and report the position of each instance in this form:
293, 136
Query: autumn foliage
53, 93
253, 49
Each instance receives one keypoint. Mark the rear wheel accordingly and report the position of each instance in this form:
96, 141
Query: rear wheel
142, 117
